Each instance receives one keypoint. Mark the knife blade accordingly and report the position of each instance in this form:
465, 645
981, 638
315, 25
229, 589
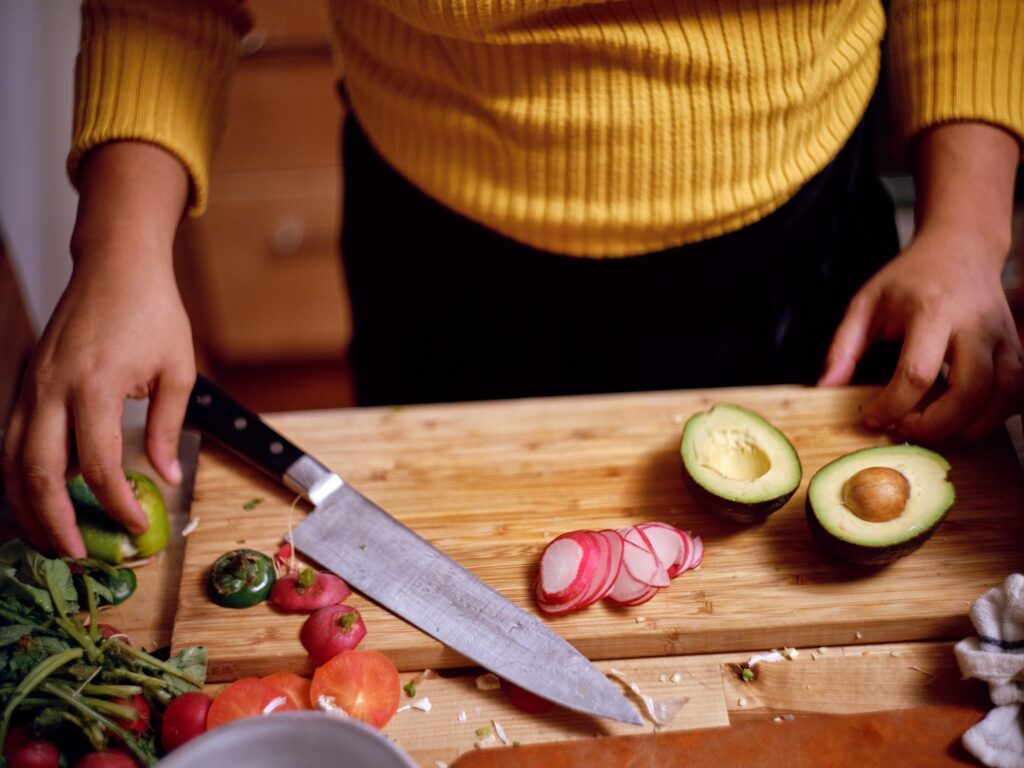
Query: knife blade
392, 565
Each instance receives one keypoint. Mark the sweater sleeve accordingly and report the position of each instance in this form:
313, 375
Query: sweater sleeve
956, 60
156, 71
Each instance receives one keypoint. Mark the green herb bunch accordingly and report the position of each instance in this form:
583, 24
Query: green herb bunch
60, 675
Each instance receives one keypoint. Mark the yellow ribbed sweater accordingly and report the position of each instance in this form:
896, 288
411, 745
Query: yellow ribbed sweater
584, 127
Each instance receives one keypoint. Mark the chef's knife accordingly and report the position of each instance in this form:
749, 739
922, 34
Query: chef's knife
350, 535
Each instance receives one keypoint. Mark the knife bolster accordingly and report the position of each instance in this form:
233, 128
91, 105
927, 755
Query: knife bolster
311, 478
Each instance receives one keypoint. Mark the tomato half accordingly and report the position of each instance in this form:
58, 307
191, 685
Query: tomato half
363, 683
248, 697
295, 686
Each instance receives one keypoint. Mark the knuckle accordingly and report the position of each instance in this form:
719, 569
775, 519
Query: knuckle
39, 478
916, 375
98, 475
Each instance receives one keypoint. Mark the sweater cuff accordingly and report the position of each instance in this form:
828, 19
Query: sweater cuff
956, 61
156, 72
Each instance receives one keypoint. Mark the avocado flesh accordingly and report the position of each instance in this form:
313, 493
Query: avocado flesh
876, 543
738, 464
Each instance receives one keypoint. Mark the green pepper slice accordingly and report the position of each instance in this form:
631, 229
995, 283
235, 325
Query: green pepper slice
241, 578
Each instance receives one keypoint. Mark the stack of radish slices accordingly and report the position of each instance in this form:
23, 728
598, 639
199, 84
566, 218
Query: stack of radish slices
628, 566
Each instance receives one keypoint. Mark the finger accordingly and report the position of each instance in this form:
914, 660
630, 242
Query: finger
98, 436
14, 484
924, 348
44, 461
1006, 391
166, 413
970, 386
849, 343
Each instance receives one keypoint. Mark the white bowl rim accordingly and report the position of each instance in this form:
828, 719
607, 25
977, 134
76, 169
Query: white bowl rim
187, 754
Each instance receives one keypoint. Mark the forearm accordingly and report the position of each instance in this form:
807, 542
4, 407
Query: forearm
132, 197
965, 176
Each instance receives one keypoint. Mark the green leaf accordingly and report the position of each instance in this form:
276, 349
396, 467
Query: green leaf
57, 577
12, 553
12, 586
191, 661
36, 650
13, 633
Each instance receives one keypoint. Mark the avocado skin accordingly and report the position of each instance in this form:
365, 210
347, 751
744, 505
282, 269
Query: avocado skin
734, 510
859, 554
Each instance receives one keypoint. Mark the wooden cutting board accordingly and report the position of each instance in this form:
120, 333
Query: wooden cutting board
492, 483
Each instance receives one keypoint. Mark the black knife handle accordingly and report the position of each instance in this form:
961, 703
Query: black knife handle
217, 414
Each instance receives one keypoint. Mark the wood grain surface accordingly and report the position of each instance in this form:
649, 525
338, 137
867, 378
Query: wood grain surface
492, 483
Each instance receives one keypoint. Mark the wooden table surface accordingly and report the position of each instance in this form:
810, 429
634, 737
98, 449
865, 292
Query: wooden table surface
849, 677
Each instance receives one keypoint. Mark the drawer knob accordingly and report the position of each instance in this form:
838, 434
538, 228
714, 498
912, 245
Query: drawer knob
288, 236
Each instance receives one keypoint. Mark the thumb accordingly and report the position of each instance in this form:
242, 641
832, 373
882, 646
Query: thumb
166, 413
849, 343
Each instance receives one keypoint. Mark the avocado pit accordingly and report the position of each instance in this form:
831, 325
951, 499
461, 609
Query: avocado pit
877, 494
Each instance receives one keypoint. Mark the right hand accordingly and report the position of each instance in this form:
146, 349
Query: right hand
120, 330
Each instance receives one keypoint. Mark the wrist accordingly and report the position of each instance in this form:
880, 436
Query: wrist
965, 176
132, 196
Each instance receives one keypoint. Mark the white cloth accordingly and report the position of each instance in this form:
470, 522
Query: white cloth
996, 656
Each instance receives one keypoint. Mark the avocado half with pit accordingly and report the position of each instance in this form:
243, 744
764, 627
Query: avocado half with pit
876, 505
107, 540
737, 463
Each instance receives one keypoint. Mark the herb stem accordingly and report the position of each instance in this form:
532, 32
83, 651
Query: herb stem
90, 598
72, 628
145, 658
34, 679
65, 694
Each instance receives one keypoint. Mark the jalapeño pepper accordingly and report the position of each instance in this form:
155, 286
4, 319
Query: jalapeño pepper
241, 578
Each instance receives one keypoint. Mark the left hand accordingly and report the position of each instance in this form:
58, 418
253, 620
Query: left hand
943, 297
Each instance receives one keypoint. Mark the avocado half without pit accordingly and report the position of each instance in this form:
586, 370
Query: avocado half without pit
875, 505
737, 464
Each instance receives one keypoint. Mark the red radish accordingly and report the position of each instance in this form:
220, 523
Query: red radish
107, 632
141, 721
35, 753
630, 591
332, 630
308, 590
524, 700
283, 556
597, 557
17, 736
184, 719
107, 758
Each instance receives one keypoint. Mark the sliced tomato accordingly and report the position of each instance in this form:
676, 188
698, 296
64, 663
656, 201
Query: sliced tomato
295, 686
363, 683
248, 697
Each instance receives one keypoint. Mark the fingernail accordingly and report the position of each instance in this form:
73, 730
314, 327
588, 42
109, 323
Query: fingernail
174, 472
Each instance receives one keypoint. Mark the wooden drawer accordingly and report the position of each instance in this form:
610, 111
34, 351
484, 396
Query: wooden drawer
263, 264
283, 112
292, 25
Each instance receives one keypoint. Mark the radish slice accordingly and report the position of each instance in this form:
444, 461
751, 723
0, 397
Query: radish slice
626, 588
698, 557
567, 566
627, 566
667, 543
617, 546
640, 559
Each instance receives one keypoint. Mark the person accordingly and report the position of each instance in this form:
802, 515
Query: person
559, 196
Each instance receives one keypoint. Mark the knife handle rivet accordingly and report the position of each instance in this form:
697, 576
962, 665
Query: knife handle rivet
276, 448
241, 423
204, 399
